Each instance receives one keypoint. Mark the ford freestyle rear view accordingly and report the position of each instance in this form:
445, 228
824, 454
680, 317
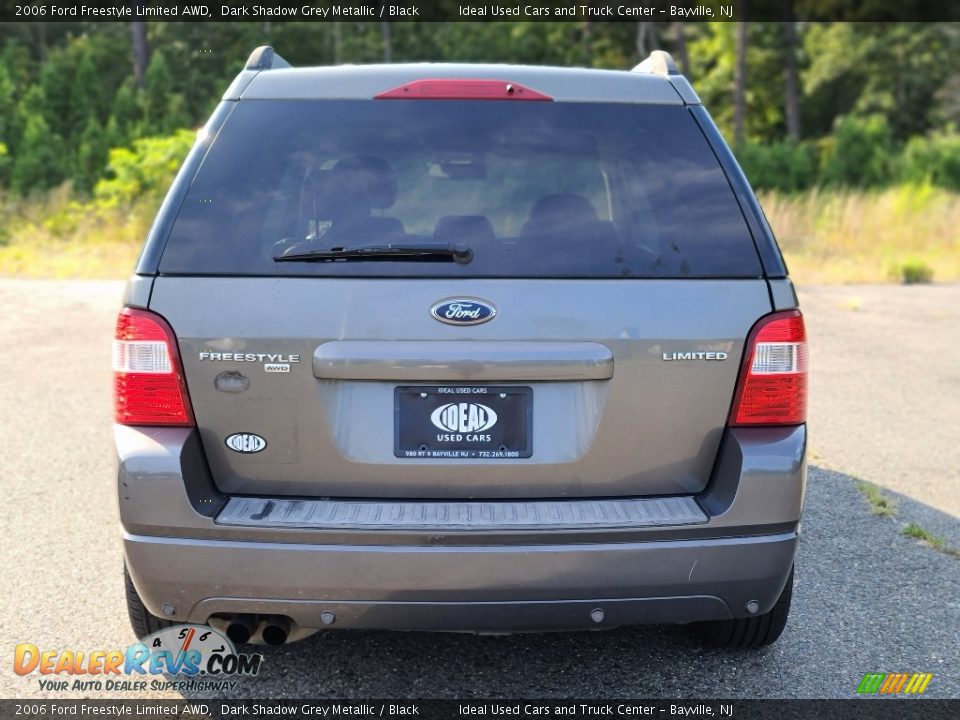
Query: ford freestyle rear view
481, 348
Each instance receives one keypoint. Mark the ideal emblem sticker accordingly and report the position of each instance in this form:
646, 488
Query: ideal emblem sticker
245, 443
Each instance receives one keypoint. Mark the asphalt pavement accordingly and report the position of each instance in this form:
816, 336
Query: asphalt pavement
867, 599
885, 386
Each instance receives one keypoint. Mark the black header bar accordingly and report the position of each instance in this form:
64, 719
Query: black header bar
479, 10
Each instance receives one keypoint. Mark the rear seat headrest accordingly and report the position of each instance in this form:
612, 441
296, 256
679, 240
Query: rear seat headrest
464, 228
365, 180
559, 211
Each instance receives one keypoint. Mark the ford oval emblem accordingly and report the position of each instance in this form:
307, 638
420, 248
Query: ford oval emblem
463, 311
245, 443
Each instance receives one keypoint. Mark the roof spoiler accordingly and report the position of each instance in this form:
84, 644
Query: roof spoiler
264, 58
660, 62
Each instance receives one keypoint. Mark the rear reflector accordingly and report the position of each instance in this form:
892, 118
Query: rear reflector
148, 384
463, 89
773, 379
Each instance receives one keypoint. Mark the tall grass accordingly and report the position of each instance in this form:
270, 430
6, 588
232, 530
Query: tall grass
907, 233
55, 237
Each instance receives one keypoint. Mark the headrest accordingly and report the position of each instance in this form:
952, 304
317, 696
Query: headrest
562, 209
366, 181
463, 228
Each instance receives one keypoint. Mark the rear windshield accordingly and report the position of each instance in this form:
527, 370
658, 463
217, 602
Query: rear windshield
534, 189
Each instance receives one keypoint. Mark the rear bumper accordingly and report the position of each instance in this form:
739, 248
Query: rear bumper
483, 588
504, 579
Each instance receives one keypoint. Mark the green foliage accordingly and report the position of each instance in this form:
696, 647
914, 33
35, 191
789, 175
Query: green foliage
877, 101
784, 166
91, 156
924, 536
4, 162
124, 203
163, 108
934, 159
713, 51
39, 162
894, 70
915, 272
880, 503
145, 170
8, 107
860, 153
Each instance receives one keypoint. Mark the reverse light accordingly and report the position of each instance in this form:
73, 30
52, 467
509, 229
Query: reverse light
772, 389
148, 384
462, 89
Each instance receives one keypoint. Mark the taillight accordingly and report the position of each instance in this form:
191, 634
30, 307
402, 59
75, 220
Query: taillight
148, 384
772, 389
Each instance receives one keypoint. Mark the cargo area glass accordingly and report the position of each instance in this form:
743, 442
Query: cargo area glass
537, 189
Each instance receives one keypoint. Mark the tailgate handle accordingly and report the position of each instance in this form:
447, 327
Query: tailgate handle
445, 360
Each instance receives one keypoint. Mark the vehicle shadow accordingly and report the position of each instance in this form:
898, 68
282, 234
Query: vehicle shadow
867, 599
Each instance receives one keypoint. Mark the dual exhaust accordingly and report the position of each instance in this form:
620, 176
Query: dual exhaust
274, 629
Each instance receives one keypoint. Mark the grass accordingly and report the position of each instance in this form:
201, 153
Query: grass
914, 272
885, 506
908, 234
54, 236
880, 503
925, 537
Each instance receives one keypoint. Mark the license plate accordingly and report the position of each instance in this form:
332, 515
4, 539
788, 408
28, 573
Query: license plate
463, 421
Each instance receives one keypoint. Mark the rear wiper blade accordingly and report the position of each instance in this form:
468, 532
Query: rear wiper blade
426, 253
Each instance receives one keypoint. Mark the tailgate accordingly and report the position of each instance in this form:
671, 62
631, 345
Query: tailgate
625, 385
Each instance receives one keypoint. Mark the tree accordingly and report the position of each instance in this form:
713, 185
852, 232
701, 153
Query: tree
680, 38
740, 81
39, 162
7, 108
387, 42
163, 108
646, 39
141, 51
791, 90
91, 156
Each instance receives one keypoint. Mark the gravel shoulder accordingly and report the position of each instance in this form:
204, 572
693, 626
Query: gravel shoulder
867, 598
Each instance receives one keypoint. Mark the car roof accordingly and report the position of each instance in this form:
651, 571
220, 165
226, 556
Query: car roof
367, 81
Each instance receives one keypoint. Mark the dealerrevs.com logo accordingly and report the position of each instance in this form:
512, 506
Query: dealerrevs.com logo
197, 657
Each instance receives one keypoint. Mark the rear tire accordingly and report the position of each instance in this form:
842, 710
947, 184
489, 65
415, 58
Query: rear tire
750, 632
141, 620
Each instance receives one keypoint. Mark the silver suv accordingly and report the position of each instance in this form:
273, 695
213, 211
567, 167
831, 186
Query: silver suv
460, 347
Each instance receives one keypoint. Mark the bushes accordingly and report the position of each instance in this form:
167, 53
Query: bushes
860, 154
784, 166
934, 160
143, 171
124, 203
915, 272
57, 234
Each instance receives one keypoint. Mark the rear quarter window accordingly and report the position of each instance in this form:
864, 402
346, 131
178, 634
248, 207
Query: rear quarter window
535, 189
